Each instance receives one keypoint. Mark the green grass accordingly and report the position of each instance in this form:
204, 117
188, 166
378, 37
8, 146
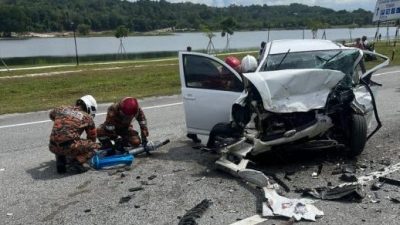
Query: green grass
40, 93
387, 49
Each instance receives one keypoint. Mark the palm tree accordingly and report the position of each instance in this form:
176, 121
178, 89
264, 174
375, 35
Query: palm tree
228, 25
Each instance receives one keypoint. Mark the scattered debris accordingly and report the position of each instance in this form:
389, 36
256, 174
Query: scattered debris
376, 186
123, 174
137, 177
199, 179
374, 198
374, 175
346, 168
314, 175
337, 192
136, 206
152, 177
120, 170
348, 177
255, 177
87, 210
277, 205
178, 170
9, 214
385, 162
362, 166
125, 199
389, 181
2, 169
289, 222
256, 219
136, 189
395, 200
112, 172
190, 217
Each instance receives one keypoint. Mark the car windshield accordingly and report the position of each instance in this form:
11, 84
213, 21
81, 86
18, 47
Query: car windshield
342, 60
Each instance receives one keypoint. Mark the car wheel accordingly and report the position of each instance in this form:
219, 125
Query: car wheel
358, 134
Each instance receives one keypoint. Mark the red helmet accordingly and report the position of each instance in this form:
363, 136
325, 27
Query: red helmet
233, 62
129, 106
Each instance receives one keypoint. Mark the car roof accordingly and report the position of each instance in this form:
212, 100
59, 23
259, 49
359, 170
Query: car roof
282, 46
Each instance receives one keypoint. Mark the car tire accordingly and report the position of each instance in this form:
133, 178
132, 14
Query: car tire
358, 135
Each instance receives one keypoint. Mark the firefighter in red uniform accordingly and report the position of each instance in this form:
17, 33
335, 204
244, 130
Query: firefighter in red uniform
65, 138
118, 123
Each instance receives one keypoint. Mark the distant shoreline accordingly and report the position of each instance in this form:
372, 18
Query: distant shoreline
68, 34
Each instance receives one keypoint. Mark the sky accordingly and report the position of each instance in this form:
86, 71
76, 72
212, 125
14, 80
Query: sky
333, 4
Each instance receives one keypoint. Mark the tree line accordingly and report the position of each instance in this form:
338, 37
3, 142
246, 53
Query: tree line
145, 15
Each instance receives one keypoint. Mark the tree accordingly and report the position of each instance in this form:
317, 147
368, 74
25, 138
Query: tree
314, 26
121, 32
83, 29
210, 35
228, 25
351, 28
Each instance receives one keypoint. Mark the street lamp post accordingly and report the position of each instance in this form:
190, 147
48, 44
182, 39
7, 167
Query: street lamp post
76, 46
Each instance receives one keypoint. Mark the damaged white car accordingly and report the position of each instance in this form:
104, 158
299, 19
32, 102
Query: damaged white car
303, 93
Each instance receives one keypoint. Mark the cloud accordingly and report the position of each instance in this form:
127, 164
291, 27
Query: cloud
333, 4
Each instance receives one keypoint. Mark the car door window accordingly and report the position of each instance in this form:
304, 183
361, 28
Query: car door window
206, 73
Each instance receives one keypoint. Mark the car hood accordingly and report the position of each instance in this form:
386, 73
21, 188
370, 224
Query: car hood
297, 90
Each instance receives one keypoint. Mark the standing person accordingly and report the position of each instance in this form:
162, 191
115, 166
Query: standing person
364, 42
359, 44
118, 123
65, 138
262, 51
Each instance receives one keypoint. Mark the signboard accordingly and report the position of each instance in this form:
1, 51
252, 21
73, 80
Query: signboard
386, 10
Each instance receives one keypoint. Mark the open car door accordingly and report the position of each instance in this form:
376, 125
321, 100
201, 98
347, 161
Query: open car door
209, 89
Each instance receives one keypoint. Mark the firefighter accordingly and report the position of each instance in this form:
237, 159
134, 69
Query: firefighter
118, 124
65, 138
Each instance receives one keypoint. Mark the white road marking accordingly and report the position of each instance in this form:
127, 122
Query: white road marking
391, 72
98, 114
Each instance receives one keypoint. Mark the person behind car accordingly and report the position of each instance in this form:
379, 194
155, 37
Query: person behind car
65, 138
234, 62
249, 64
261, 51
359, 44
118, 123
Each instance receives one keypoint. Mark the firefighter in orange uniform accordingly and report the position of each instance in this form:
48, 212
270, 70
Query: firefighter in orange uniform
65, 138
119, 123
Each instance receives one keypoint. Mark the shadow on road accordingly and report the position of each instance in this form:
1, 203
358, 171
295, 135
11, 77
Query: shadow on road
47, 171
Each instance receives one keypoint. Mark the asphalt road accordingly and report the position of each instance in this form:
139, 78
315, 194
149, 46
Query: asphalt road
32, 192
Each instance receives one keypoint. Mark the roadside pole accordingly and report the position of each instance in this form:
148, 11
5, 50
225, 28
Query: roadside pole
76, 46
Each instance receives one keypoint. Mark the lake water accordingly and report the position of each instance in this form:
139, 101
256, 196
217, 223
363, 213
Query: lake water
179, 41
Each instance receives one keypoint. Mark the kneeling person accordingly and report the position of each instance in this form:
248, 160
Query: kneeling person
65, 138
118, 123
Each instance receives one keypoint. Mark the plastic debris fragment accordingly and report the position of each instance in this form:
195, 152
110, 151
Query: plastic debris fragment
282, 206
